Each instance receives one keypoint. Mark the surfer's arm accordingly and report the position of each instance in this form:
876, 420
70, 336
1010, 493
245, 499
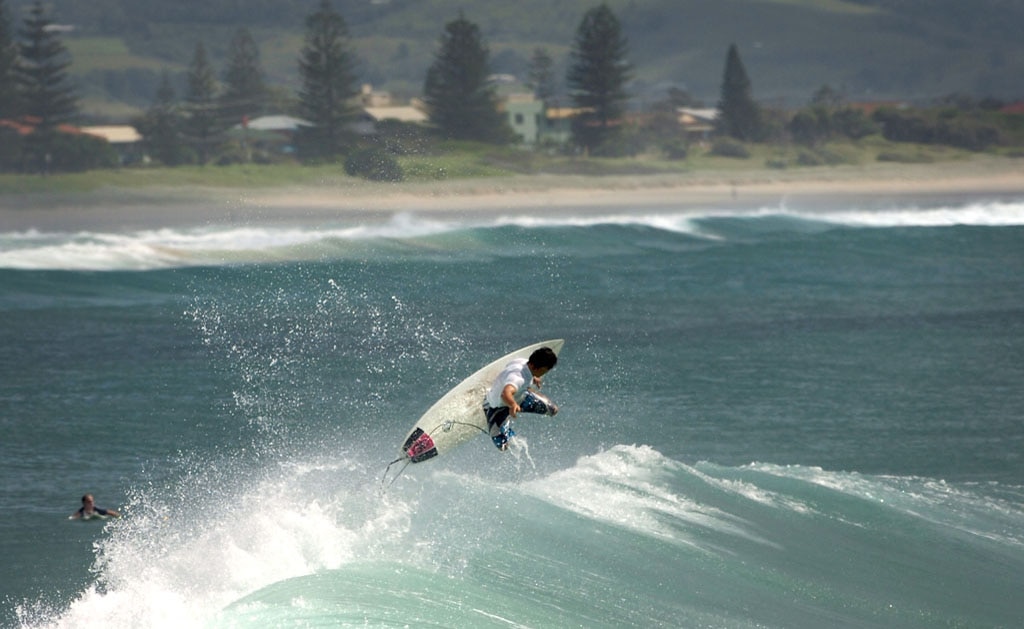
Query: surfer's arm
508, 397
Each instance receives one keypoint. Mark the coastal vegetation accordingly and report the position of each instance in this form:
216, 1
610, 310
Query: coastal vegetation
872, 49
453, 161
468, 135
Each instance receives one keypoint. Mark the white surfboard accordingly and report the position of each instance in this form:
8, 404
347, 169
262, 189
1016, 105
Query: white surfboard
458, 416
89, 518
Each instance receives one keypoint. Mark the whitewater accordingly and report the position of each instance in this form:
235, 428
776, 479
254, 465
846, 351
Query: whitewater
163, 248
770, 418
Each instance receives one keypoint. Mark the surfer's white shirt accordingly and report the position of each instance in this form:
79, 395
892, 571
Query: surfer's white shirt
516, 373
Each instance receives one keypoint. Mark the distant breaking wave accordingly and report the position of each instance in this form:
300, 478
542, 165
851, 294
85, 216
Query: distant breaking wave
994, 214
253, 244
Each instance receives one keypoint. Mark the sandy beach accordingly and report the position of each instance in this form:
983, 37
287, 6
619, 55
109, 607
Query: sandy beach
872, 186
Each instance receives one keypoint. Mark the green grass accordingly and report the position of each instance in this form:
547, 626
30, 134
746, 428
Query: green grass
834, 6
107, 53
183, 177
461, 161
472, 162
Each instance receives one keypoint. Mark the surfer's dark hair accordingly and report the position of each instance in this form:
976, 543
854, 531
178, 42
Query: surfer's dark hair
544, 357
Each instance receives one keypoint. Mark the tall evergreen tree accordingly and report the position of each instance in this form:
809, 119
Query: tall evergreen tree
161, 126
45, 89
461, 100
245, 92
598, 73
10, 140
8, 61
203, 128
738, 115
541, 78
327, 66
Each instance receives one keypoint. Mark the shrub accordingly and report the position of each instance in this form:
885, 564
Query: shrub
56, 151
727, 147
853, 123
809, 128
904, 158
403, 138
373, 164
806, 158
675, 148
10, 150
967, 135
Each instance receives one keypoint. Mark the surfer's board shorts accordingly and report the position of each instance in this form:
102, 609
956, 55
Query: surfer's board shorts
532, 403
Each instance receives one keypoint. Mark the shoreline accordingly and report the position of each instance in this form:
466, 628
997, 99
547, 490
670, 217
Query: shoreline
819, 189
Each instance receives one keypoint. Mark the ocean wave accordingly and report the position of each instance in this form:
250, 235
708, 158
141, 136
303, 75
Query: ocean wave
410, 233
206, 246
314, 541
631, 486
981, 214
959, 509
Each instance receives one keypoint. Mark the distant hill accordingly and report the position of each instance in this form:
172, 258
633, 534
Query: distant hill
866, 49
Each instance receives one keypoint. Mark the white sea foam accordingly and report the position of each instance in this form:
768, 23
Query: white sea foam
170, 564
624, 486
986, 214
682, 223
171, 248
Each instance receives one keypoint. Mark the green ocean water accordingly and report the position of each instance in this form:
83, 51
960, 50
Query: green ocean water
769, 419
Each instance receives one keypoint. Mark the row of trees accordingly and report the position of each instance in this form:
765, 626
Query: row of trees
461, 99
958, 121
463, 103
195, 129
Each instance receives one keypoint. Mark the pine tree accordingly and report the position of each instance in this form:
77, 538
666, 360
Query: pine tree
45, 89
203, 128
738, 115
161, 126
597, 78
541, 78
462, 102
10, 140
329, 84
9, 106
245, 92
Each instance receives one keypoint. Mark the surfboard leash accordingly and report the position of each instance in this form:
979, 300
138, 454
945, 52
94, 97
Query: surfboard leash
397, 474
444, 427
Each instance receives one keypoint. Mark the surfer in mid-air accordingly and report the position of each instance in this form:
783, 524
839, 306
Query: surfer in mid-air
514, 391
505, 386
